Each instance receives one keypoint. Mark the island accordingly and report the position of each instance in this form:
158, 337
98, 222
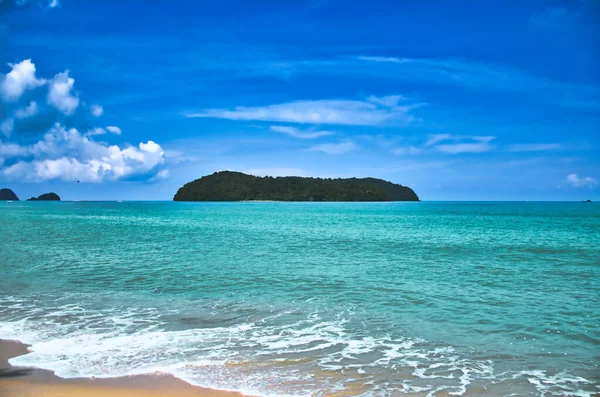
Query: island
237, 186
46, 197
8, 195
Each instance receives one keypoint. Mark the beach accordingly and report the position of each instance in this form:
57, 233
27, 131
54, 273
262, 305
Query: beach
32, 382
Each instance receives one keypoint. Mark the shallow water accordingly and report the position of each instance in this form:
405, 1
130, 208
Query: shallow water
310, 298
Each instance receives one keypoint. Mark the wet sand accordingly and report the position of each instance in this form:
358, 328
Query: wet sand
32, 382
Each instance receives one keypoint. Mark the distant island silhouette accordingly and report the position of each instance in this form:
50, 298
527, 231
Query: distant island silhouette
237, 186
8, 195
46, 197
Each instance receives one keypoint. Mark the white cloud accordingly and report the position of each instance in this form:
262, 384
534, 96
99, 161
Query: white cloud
373, 112
101, 131
533, 147
176, 157
63, 154
18, 80
49, 3
576, 181
66, 154
334, 148
478, 144
9, 150
96, 131
162, 174
114, 130
97, 110
29, 111
60, 95
7, 126
445, 143
298, 133
383, 59
436, 138
389, 101
460, 143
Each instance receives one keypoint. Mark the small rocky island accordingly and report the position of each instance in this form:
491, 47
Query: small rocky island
46, 197
236, 186
8, 195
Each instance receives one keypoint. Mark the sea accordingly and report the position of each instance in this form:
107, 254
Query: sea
310, 299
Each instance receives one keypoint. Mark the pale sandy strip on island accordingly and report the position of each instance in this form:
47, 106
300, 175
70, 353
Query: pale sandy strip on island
39, 383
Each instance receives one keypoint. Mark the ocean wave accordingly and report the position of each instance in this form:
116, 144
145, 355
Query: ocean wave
279, 352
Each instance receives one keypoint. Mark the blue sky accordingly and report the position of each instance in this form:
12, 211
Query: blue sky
461, 102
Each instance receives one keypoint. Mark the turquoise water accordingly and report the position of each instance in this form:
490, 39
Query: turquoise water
372, 299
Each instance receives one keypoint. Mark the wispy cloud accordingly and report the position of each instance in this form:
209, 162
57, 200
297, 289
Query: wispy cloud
482, 76
575, 181
436, 138
301, 134
384, 59
554, 16
456, 144
533, 147
465, 144
334, 148
177, 156
374, 111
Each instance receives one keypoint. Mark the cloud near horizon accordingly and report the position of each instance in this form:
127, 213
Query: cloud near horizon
575, 181
374, 111
63, 152
68, 155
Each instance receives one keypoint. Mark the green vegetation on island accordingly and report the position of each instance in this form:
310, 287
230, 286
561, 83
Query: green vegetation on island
236, 186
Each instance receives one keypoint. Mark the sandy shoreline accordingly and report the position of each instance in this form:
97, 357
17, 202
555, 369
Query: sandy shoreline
32, 382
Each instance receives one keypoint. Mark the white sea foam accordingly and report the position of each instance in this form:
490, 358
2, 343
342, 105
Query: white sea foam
264, 356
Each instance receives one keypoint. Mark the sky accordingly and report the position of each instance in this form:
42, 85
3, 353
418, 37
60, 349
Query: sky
130, 99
